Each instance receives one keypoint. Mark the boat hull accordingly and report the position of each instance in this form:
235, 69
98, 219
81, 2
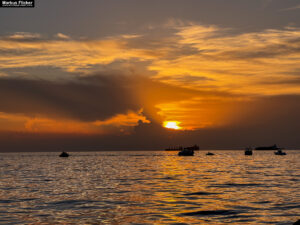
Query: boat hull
248, 153
186, 152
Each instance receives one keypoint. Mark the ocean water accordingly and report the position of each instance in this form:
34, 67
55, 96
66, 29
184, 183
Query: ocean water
151, 187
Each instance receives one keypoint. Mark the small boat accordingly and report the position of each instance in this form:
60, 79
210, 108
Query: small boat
297, 222
186, 152
248, 151
210, 153
272, 147
279, 152
64, 154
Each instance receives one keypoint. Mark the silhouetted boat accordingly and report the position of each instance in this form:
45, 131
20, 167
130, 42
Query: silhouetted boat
272, 147
194, 147
180, 148
297, 222
210, 153
186, 152
248, 151
279, 152
174, 148
64, 154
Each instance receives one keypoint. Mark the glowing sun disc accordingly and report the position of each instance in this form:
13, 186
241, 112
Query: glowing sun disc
172, 125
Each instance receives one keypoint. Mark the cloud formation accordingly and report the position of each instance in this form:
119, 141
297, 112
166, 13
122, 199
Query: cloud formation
222, 58
194, 73
240, 63
88, 99
86, 104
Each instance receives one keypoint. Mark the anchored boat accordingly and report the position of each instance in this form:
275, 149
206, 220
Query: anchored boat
64, 154
248, 151
186, 152
272, 147
279, 152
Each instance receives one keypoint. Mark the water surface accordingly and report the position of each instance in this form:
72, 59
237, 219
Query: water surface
153, 187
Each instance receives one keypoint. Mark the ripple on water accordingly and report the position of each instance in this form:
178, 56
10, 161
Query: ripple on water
238, 185
201, 193
69, 204
210, 213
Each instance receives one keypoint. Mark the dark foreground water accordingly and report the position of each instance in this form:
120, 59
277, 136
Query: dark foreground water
150, 188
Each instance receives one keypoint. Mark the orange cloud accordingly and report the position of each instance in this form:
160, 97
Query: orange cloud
21, 123
123, 120
240, 63
68, 54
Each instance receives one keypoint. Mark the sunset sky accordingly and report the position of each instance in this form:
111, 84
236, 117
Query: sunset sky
141, 74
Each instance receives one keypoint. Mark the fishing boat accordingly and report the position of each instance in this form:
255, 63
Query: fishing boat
279, 152
186, 152
248, 151
210, 153
64, 154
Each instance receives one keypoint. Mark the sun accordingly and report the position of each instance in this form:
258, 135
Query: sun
172, 125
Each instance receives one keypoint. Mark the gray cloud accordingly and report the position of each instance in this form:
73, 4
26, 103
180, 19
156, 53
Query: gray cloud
89, 98
287, 47
92, 98
188, 78
292, 81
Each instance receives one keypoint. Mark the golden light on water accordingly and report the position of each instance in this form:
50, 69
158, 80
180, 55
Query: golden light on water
172, 125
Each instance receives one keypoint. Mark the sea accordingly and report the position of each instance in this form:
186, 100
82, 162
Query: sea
150, 187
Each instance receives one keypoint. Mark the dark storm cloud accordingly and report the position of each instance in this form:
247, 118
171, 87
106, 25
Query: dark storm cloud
93, 98
90, 98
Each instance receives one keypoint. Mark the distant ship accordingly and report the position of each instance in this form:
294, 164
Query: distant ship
194, 147
180, 148
177, 148
273, 147
248, 151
